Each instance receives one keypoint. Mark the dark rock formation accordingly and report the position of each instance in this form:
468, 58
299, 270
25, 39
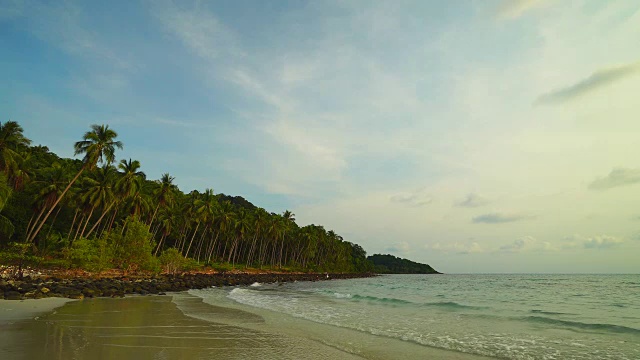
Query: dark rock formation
78, 288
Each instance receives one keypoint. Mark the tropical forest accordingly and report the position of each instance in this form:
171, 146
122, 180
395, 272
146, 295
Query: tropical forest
98, 212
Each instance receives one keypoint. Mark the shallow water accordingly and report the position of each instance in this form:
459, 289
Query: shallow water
501, 316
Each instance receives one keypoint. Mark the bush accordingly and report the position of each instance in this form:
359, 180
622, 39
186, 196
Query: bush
133, 249
93, 255
80, 254
172, 261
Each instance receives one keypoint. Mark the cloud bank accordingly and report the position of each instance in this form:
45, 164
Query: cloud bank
592, 242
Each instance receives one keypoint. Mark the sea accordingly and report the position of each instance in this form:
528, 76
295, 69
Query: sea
523, 316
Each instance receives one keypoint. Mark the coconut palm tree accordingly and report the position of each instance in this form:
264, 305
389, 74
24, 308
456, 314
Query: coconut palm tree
127, 185
164, 193
54, 179
6, 227
288, 219
205, 210
12, 140
98, 192
98, 146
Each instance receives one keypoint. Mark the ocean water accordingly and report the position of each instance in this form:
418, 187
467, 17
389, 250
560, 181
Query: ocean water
495, 316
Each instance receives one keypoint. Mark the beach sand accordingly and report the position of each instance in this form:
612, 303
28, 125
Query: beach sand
153, 327
149, 327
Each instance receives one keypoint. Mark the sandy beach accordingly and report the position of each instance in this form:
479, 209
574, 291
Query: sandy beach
153, 327
138, 328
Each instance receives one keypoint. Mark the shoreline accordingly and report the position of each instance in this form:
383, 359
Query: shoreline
79, 287
180, 325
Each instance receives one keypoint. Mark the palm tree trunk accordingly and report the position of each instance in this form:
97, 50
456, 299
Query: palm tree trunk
78, 229
87, 222
100, 219
199, 246
53, 222
29, 224
72, 223
31, 228
164, 235
281, 248
154, 214
113, 219
192, 237
54, 205
213, 247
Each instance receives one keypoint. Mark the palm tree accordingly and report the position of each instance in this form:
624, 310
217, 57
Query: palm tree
98, 146
6, 227
205, 209
127, 185
11, 140
288, 218
164, 193
98, 192
55, 177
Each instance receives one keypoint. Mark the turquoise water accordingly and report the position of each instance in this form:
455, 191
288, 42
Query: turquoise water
500, 316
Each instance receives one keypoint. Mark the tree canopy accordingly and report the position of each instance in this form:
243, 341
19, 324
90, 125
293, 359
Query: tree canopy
72, 206
389, 264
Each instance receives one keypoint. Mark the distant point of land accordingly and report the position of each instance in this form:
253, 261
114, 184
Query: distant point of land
389, 264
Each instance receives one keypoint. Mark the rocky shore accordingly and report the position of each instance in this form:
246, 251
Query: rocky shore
77, 288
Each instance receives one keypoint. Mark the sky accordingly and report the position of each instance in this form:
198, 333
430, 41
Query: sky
478, 136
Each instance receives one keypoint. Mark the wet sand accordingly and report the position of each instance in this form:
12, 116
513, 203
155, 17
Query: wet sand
156, 327
149, 327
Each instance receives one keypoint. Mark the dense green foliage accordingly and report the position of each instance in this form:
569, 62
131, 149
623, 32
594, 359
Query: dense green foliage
97, 213
389, 264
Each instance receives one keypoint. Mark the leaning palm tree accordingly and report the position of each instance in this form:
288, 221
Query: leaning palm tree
52, 186
99, 192
127, 185
98, 146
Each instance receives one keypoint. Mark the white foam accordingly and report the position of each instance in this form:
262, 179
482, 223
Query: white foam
255, 284
342, 296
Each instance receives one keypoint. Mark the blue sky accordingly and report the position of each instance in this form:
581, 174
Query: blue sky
477, 136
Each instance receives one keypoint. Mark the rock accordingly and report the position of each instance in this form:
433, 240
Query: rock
12, 295
44, 290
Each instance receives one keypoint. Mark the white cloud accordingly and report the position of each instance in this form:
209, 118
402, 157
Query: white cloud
592, 242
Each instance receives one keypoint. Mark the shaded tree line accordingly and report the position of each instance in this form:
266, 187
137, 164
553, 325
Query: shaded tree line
87, 208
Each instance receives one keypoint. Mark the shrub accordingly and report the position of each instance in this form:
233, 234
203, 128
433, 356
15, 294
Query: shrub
133, 249
172, 261
93, 255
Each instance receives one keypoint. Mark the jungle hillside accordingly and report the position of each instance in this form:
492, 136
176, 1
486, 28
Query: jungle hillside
98, 212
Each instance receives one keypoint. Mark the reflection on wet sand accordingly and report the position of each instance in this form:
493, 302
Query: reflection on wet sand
150, 328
